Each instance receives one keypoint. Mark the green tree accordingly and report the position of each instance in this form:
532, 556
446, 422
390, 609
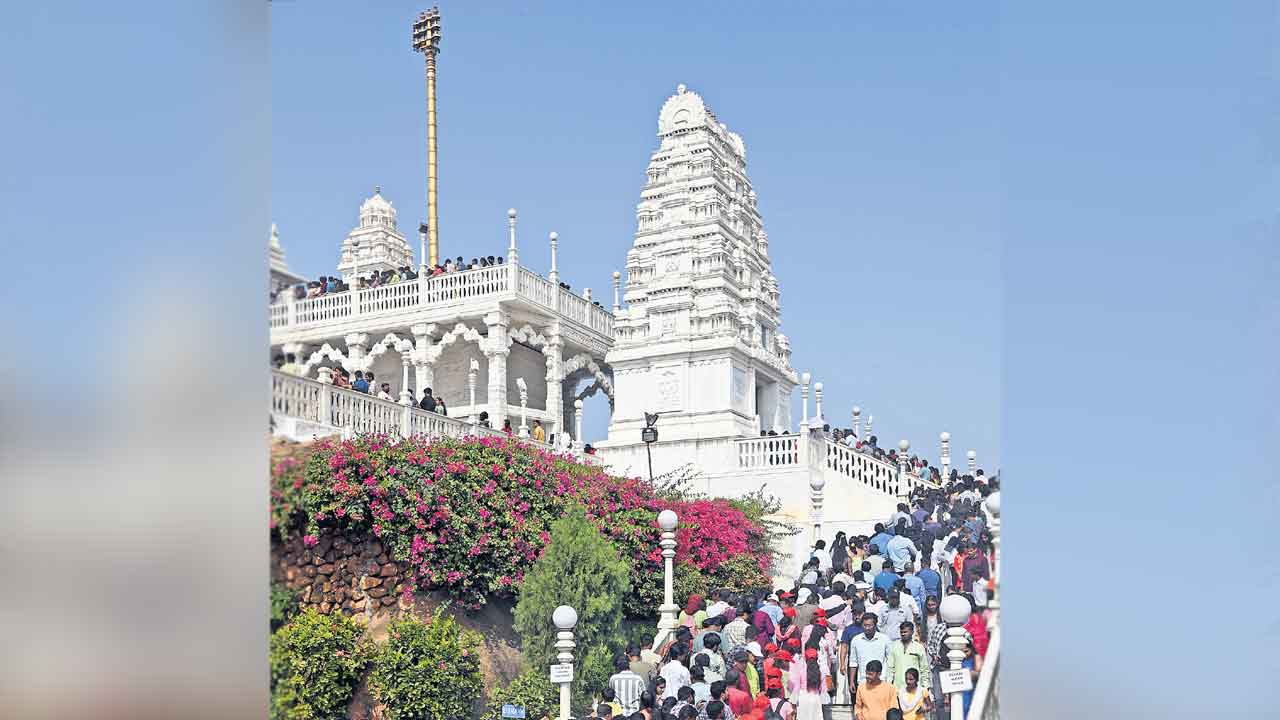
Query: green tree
428, 671
581, 569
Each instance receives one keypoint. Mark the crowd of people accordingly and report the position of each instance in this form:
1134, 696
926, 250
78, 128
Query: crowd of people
860, 626
329, 285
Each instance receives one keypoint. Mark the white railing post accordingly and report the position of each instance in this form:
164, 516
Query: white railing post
973, 462
955, 612
565, 618
473, 418
524, 407
617, 285
667, 521
513, 257
857, 423
406, 395
904, 467
325, 412
554, 274
819, 419
945, 437
804, 401
870, 419
816, 483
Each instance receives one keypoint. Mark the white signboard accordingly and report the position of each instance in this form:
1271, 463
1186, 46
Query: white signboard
561, 673
955, 681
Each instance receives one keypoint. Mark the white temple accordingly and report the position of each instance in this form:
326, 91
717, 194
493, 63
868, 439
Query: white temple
698, 342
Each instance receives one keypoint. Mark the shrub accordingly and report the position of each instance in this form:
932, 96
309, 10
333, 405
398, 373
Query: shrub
428, 671
531, 690
284, 605
316, 662
470, 516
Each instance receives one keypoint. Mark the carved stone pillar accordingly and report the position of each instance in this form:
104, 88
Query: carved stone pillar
554, 355
423, 370
496, 350
357, 343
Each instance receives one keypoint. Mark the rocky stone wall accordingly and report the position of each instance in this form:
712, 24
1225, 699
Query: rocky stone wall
351, 575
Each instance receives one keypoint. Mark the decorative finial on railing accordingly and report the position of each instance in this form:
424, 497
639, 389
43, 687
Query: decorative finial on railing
857, 422
511, 223
805, 377
554, 275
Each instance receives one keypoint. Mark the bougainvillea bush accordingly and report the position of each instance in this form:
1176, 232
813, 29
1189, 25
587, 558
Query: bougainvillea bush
471, 515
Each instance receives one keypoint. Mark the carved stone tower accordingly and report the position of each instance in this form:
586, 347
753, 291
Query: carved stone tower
699, 340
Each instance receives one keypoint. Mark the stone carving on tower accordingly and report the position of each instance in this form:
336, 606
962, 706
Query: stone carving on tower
699, 340
379, 244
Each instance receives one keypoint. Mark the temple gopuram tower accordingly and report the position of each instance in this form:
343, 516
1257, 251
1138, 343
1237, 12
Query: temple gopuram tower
699, 341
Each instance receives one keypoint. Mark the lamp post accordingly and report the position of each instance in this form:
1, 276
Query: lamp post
819, 419
945, 437
524, 407
857, 423
471, 385
973, 462
955, 612
816, 483
667, 520
577, 425
870, 419
565, 618
804, 400
650, 436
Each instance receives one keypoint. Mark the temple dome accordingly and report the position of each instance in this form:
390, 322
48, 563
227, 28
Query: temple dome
377, 210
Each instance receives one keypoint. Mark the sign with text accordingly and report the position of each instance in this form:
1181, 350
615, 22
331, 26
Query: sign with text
955, 681
513, 711
561, 673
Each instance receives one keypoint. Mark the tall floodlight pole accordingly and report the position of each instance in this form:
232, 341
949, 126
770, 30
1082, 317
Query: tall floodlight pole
426, 40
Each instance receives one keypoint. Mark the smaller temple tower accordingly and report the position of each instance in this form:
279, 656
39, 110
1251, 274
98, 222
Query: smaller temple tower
375, 244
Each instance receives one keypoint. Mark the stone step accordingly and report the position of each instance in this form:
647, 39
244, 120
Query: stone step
841, 712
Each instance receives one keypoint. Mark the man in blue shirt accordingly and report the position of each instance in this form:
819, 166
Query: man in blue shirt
885, 579
914, 584
901, 551
881, 538
931, 579
360, 384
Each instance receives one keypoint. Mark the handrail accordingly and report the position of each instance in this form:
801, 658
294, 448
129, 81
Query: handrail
986, 694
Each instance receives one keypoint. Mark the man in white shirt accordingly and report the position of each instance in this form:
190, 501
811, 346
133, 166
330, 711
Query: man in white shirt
675, 673
824, 557
385, 392
716, 606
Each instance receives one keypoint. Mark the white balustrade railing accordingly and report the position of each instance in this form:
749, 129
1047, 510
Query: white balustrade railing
388, 297
986, 693
863, 468
768, 452
538, 289
438, 290
279, 314
317, 402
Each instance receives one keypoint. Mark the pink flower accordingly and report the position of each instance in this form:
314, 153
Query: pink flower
309, 540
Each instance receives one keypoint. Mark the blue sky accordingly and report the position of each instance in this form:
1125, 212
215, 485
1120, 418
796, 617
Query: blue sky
871, 140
